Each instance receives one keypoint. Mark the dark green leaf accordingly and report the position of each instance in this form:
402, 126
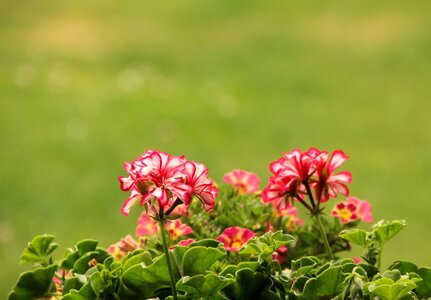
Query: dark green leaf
424, 287
33, 284
203, 285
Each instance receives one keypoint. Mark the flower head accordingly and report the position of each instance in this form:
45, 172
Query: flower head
353, 209
233, 238
280, 254
165, 178
243, 181
177, 229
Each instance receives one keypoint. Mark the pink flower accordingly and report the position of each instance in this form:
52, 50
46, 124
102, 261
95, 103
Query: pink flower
201, 186
297, 171
177, 229
155, 175
357, 260
329, 184
124, 246
233, 238
290, 173
353, 209
243, 181
280, 254
147, 226
166, 178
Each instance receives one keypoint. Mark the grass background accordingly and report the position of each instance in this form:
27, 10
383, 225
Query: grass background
233, 84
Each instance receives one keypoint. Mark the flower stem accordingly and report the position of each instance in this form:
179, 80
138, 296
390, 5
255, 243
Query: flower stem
323, 234
168, 260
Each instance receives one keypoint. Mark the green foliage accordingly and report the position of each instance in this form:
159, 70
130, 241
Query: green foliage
33, 284
39, 250
373, 241
264, 246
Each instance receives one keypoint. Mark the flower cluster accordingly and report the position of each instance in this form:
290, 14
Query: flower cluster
297, 173
233, 238
166, 180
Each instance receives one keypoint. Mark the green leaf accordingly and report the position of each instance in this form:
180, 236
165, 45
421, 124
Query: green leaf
325, 286
356, 236
33, 284
72, 283
85, 293
203, 285
303, 265
206, 243
385, 230
143, 257
264, 245
424, 287
385, 288
147, 279
82, 264
198, 259
38, 250
404, 267
248, 285
85, 246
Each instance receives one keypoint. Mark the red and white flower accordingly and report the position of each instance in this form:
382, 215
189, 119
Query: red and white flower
244, 182
165, 178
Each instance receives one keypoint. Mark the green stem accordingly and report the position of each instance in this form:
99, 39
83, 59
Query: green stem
168, 260
323, 234
379, 258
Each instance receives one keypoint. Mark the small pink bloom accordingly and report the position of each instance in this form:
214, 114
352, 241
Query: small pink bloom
177, 229
233, 238
243, 181
280, 254
201, 186
124, 246
357, 260
353, 209
147, 226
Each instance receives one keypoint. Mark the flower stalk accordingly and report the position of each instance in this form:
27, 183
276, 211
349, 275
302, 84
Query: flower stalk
163, 234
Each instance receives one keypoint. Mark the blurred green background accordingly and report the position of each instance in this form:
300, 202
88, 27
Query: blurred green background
85, 86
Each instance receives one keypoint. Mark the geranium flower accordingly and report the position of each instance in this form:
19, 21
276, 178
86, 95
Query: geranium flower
244, 182
124, 246
201, 186
147, 226
233, 238
155, 175
177, 229
290, 173
329, 184
353, 209
167, 179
